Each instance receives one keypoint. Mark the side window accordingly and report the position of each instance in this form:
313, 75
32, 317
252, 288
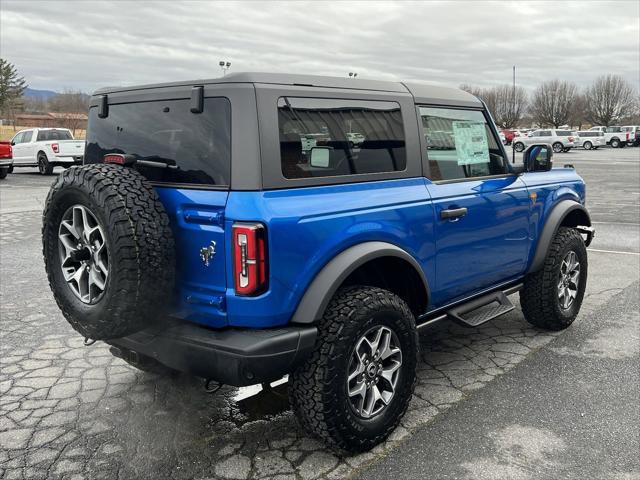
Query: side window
18, 138
460, 144
43, 135
332, 137
535, 133
26, 136
545, 133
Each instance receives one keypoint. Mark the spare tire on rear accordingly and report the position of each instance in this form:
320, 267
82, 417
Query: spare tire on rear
108, 250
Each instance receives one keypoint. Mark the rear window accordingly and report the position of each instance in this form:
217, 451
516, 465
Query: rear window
47, 135
195, 147
563, 133
332, 137
589, 134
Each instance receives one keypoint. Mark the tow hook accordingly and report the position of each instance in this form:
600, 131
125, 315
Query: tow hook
590, 232
88, 342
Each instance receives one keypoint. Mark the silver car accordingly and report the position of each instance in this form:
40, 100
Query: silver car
589, 140
560, 140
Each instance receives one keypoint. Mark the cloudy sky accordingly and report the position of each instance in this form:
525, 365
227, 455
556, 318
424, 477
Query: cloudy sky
84, 44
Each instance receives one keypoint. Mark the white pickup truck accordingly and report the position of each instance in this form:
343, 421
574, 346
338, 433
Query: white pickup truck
616, 137
46, 148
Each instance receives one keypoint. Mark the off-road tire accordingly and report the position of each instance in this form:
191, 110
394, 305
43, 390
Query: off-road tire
139, 241
518, 147
539, 295
44, 167
3, 173
318, 387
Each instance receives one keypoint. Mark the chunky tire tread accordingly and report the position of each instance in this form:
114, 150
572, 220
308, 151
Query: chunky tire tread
140, 243
314, 386
538, 297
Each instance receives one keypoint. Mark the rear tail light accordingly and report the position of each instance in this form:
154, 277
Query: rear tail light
571, 139
249, 258
55, 147
628, 136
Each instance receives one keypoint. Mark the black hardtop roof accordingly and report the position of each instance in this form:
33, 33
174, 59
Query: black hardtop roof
422, 92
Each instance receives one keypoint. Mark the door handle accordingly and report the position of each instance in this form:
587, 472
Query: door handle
453, 213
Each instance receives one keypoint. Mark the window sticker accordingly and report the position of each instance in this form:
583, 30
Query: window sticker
471, 142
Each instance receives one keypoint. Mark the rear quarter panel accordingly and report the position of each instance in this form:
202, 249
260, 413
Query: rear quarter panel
307, 227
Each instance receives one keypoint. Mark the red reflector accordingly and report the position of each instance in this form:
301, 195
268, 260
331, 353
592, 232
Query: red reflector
114, 158
55, 147
249, 258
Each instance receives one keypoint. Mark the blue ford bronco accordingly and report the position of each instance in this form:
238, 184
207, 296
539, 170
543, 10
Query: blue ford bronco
259, 225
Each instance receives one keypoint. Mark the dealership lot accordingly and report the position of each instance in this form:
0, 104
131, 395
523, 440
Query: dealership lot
69, 411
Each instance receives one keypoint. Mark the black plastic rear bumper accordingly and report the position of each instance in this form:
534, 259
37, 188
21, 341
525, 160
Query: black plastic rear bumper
236, 357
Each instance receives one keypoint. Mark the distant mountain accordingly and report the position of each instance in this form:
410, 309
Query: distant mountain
43, 94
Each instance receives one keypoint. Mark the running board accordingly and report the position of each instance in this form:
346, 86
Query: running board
481, 310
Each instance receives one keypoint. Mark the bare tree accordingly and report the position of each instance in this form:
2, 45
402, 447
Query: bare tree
71, 105
578, 114
552, 102
510, 105
609, 99
506, 104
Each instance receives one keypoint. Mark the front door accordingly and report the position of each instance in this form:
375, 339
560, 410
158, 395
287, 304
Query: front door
481, 210
22, 148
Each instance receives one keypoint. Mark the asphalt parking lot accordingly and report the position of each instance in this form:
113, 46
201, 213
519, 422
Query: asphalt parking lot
69, 411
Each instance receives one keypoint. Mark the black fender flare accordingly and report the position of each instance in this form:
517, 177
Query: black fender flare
554, 220
325, 284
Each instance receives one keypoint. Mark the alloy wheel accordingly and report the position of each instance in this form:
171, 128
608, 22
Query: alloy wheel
568, 279
84, 257
374, 369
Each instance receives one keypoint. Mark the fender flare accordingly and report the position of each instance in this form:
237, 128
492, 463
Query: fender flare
554, 220
325, 284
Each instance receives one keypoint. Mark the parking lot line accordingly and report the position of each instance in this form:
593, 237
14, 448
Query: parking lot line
612, 251
616, 223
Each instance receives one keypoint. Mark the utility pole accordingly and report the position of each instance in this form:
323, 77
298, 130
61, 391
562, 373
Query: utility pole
513, 114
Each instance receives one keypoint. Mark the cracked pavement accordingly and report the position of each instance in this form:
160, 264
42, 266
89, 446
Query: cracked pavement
70, 411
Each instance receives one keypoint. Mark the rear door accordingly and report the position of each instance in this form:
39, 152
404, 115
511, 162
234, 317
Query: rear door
481, 210
187, 157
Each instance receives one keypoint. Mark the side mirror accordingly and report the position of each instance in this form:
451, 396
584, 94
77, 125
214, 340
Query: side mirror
12, 143
319, 157
537, 158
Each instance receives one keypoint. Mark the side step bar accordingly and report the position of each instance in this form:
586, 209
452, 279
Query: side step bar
481, 310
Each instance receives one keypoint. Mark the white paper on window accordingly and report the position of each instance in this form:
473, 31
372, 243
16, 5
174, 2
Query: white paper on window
472, 146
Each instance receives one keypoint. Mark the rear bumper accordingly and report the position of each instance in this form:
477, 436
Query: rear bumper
76, 160
6, 162
235, 357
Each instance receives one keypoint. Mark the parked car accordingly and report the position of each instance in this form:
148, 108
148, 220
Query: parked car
355, 138
614, 136
633, 140
6, 159
503, 137
227, 253
588, 139
46, 148
509, 135
560, 140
